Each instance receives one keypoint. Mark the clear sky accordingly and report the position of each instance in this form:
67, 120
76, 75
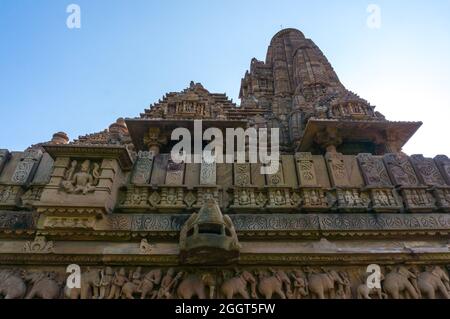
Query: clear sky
128, 54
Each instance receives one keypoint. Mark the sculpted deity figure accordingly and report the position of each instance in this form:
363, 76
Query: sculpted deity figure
315, 199
244, 199
104, 285
82, 182
279, 199
383, 198
349, 198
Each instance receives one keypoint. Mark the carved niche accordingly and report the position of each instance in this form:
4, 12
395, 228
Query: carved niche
26, 167
142, 168
81, 177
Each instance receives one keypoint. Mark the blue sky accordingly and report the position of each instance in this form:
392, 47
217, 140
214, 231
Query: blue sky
128, 54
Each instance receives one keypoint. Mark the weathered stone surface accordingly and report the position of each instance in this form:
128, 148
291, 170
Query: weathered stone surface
159, 170
142, 168
27, 166
208, 174
175, 173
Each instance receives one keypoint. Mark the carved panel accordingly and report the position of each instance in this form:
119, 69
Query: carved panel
305, 169
172, 197
142, 168
442, 195
175, 173
443, 163
427, 171
26, 167
373, 170
400, 170
352, 199
337, 170
417, 199
385, 200
208, 174
10, 196
276, 179
314, 199
17, 220
280, 198
242, 174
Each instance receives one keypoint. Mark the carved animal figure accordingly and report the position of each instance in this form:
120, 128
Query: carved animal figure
238, 286
398, 282
194, 285
131, 287
364, 292
89, 286
433, 280
324, 284
268, 286
11, 285
44, 286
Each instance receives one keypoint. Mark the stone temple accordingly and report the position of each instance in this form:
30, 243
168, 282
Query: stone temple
142, 226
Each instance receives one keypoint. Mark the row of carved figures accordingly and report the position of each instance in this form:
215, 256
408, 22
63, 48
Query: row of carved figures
400, 282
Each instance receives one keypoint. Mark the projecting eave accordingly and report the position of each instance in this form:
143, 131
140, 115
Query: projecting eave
378, 132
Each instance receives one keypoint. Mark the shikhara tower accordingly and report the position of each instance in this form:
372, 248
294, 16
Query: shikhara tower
140, 225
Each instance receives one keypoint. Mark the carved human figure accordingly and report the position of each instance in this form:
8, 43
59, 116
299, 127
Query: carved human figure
433, 280
12, 285
383, 198
82, 182
238, 286
300, 285
324, 284
344, 290
119, 280
89, 286
131, 287
315, 199
168, 284
349, 198
44, 285
149, 282
278, 283
104, 285
397, 283
244, 199
279, 198
195, 285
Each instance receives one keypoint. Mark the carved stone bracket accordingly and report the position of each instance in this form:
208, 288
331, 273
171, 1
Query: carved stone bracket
142, 168
337, 170
427, 171
305, 170
27, 166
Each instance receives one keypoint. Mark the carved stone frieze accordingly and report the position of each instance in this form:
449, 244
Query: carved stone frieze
208, 174
337, 170
175, 173
442, 195
81, 178
352, 199
242, 175
313, 199
305, 169
400, 169
39, 246
385, 200
443, 164
10, 196
417, 199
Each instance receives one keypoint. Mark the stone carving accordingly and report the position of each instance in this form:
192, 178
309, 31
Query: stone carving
90, 280
44, 285
336, 168
276, 179
238, 286
364, 292
144, 286
83, 181
26, 167
104, 285
301, 289
373, 170
190, 199
400, 170
154, 199
118, 282
434, 280
278, 283
305, 168
208, 174
12, 285
417, 199
175, 173
384, 200
443, 164
352, 200
168, 284
314, 199
145, 248
39, 246
442, 196
324, 285
9, 196
142, 168
17, 220
398, 283
208, 236
172, 197
242, 174
427, 171
196, 285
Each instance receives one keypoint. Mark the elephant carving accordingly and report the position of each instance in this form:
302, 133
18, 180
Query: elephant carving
397, 282
89, 286
364, 292
12, 285
146, 285
132, 286
268, 286
322, 285
238, 286
45, 286
195, 286
433, 280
